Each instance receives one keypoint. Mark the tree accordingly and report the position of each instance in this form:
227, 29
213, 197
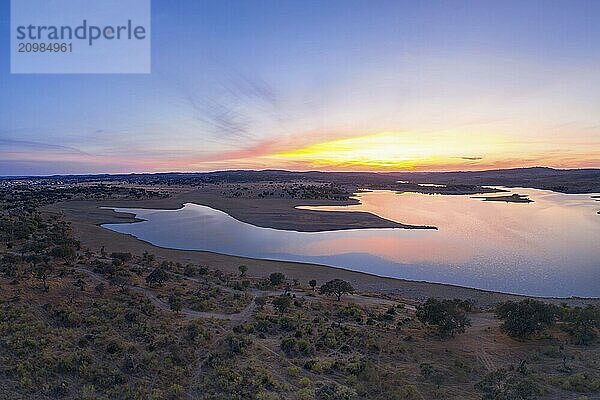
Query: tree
243, 269
525, 318
42, 272
157, 277
175, 303
312, 284
336, 287
100, 288
80, 283
260, 302
582, 323
65, 251
120, 280
449, 316
276, 278
123, 257
282, 303
189, 270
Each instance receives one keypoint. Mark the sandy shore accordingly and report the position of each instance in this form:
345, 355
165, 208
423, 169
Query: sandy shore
86, 216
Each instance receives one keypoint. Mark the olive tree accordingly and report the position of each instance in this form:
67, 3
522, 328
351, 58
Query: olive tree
336, 287
449, 316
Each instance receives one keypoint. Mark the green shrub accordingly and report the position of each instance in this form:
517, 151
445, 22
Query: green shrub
276, 278
525, 318
448, 316
582, 323
504, 385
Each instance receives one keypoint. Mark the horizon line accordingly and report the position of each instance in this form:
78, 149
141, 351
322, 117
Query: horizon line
4, 177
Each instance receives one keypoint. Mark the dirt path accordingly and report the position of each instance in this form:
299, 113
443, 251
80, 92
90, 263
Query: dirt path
242, 316
479, 339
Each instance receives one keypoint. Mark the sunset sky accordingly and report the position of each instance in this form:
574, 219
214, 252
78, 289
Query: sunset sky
329, 85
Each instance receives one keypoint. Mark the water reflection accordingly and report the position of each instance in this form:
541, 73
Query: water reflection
548, 247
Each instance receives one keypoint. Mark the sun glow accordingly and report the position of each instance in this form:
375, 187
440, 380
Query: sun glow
401, 150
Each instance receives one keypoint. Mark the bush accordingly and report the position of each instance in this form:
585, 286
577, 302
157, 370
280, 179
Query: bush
525, 318
260, 302
580, 382
338, 392
123, 257
448, 315
282, 303
157, 277
276, 278
288, 345
175, 303
582, 324
189, 270
237, 343
501, 385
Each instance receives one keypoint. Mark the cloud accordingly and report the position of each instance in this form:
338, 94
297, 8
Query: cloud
471, 158
22, 146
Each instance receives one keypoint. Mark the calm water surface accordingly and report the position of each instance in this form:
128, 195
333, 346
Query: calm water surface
550, 247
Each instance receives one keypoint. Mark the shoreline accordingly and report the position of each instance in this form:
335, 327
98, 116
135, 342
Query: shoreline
86, 218
278, 213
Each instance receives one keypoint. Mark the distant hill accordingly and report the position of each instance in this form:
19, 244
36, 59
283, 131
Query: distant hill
559, 180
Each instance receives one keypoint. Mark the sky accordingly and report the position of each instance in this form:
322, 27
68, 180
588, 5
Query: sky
328, 85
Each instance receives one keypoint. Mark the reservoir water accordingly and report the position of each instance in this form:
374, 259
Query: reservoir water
550, 247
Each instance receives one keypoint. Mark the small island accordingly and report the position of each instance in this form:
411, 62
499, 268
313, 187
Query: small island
513, 198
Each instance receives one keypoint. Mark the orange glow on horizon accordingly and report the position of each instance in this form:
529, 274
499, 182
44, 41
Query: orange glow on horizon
401, 151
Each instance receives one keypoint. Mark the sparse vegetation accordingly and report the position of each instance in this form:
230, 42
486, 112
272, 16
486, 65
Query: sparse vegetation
79, 323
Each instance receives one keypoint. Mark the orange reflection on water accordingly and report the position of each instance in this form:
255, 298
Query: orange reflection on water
468, 227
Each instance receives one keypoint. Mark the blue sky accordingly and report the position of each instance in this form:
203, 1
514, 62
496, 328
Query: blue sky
257, 84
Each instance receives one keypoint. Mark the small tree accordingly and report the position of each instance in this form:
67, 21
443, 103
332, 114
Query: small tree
80, 283
120, 281
313, 284
260, 302
243, 269
65, 251
525, 318
157, 277
100, 288
175, 303
336, 287
448, 316
582, 323
282, 303
276, 278
189, 270
42, 272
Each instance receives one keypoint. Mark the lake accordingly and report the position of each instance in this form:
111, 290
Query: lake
550, 247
